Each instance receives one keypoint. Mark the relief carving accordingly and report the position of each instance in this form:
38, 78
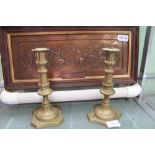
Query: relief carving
59, 58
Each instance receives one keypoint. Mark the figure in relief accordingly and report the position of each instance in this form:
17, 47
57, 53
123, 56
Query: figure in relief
58, 57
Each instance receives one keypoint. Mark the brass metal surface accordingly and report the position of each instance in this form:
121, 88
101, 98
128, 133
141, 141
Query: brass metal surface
46, 115
104, 112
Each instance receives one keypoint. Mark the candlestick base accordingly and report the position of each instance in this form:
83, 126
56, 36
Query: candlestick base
44, 118
101, 115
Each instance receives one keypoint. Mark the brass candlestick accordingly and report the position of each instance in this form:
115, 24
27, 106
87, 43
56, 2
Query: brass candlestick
47, 114
104, 112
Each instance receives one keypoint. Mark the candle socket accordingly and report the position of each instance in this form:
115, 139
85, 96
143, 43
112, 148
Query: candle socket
47, 114
104, 112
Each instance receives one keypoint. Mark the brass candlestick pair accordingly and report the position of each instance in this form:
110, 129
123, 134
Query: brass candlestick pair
103, 112
47, 114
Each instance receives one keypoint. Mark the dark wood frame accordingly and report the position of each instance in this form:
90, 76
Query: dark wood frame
22, 86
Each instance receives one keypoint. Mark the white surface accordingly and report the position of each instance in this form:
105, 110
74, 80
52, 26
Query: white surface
113, 124
122, 38
68, 95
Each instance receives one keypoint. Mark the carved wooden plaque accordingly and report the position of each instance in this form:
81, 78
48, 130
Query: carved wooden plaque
75, 58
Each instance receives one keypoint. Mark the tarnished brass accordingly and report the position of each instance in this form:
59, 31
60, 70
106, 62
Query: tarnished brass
104, 112
46, 115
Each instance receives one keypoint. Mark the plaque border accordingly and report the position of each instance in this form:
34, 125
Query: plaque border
9, 35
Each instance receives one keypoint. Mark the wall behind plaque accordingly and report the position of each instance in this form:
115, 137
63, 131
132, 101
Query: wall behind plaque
149, 71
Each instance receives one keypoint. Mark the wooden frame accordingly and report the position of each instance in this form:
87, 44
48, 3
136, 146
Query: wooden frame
11, 83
